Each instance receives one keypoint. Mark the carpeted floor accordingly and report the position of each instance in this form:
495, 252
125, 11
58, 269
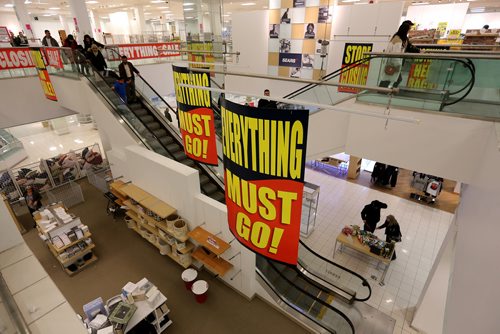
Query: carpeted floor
125, 256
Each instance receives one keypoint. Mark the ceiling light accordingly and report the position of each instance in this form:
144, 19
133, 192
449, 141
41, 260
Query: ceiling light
91, 2
9, 5
188, 9
54, 8
250, 4
188, 4
163, 7
190, 17
27, 2
361, 3
420, 3
156, 1
351, 0
477, 10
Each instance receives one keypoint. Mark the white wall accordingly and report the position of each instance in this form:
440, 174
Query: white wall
159, 76
9, 19
478, 20
23, 101
428, 16
10, 235
178, 185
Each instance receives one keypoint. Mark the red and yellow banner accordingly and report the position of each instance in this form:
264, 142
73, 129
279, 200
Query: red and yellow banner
264, 164
195, 115
12, 58
201, 57
150, 50
53, 57
48, 89
358, 74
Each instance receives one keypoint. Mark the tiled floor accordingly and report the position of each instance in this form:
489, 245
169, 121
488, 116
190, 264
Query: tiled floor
423, 229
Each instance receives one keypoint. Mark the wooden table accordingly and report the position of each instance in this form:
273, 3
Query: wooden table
354, 243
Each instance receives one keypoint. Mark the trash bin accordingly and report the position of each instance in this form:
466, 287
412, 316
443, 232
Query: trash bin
189, 276
200, 290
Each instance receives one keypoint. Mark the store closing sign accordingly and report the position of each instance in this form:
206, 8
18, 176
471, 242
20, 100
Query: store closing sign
53, 57
358, 74
264, 163
195, 115
48, 89
11, 58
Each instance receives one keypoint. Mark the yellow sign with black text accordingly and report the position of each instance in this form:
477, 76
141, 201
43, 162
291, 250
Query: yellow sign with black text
43, 74
354, 70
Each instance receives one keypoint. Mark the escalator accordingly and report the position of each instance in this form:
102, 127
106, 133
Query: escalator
152, 126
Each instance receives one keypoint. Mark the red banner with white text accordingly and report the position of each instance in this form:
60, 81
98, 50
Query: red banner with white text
53, 57
12, 58
150, 50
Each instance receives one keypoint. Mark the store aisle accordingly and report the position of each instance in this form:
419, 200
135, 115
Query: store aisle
423, 229
125, 256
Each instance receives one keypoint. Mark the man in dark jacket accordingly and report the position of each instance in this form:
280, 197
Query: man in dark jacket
127, 71
96, 58
371, 215
267, 104
49, 40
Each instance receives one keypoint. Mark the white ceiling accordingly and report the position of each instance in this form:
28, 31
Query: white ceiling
173, 9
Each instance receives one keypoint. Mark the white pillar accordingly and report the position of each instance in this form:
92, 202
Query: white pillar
139, 16
80, 16
64, 23
24, 19
95, 22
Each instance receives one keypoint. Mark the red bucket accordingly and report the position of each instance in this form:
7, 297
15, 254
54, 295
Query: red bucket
189, 276
200, 290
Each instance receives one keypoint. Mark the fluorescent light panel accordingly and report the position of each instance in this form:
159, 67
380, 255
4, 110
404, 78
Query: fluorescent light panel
250, 4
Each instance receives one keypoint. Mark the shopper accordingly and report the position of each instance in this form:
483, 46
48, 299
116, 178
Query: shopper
33, 199
23, 40
70, 42
484, 29
120, 87
391, 67
267, 104
96, 58
392, 231
127, 71
89, 41
48, 40
371, 215
81, 60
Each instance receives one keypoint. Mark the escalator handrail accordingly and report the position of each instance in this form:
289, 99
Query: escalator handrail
363, 280
312, 296
150, 87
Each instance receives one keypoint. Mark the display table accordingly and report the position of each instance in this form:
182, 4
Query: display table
339, 161
354, 243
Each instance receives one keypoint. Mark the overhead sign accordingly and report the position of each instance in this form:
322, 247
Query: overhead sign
195, 115
264, 164
12, 58
201, 57
150, 50
290, 59
43, 75
53, 57
358, 74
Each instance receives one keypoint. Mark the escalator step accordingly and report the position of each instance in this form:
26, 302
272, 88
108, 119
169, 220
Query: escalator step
166, 140
173, 148
153, 125
218, 196
135, 106
160, 133
204, 179
140, 112
179, 156
209, 188
187, 162
146, 118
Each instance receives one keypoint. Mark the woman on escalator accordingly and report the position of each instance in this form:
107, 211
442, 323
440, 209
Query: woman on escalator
391, 67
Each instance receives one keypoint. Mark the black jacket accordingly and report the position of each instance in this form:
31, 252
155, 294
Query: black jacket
371, 213
392, 232
87, 44
123, 73
97, 60
45, 42
267, 104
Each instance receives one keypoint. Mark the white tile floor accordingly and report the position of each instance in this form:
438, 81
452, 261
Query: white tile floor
423, 229
40, 142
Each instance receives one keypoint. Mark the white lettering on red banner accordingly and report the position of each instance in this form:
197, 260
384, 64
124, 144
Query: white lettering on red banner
53, 57
155, 50
15, 58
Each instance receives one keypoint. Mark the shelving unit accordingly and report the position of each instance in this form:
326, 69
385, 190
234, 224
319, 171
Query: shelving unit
145, 203
209, 251
76, 261
354, 167
115, 189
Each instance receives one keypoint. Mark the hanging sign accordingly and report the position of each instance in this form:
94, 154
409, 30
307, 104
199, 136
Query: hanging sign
12, 58
195, 115
358, 74
149, 50
53, 57
264, 164
419, 75
43, 75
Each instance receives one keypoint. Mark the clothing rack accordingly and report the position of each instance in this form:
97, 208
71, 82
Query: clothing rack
429, 185
385, 175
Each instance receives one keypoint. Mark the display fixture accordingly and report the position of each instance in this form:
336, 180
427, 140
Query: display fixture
310, 202
354, 167
67, 238
209, 250
149, 217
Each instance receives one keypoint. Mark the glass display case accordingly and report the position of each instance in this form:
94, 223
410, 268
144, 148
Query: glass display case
309, 209
11, 150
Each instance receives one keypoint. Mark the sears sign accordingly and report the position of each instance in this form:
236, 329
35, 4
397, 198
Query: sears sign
290, 59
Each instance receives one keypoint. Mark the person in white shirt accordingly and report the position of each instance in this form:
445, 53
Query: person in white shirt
127, 70
49, 40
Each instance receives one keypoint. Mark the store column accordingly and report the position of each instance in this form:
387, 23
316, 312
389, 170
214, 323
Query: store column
80, 16
139, 16
24, 19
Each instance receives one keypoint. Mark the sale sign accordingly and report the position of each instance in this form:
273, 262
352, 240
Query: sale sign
150, 50
420, 75
264, 164
354, 74
53, 57
48, 89
195, 115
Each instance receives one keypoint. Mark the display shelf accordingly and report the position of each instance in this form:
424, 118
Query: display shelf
59, 250
75, 257
115, 189
165, 326
203, 237
211, 261
134, 192
160, 318
163, 210
83, 266
189, 247
176, 259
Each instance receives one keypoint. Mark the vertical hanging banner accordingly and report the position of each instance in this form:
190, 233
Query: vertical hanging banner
264, 164
195, 115
358, 74
48, 89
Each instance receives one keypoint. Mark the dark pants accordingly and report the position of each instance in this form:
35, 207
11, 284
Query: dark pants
389, 239
131, 97
370, 227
